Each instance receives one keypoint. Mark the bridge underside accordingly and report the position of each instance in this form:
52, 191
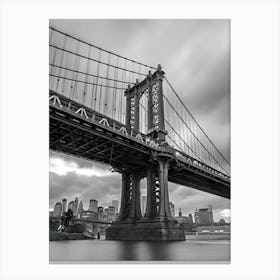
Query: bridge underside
74, 135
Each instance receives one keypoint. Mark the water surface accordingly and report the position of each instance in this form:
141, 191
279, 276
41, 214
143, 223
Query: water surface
199, 249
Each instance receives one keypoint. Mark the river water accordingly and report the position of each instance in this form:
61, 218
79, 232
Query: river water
194, 249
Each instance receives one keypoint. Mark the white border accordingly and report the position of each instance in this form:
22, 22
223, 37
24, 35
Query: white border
255, 138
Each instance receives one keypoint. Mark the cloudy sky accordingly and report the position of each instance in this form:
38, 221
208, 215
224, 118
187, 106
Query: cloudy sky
195, 54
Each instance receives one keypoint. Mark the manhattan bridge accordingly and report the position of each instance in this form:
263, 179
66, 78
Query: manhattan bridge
111, 109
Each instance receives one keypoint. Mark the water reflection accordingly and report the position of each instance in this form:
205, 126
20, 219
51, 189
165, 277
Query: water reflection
105, 250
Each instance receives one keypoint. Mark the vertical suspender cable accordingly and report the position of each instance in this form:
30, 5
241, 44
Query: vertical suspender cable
115, 90
51, 67
60, 63
66, 71
86, 77
106, 107
73, 82
95, 87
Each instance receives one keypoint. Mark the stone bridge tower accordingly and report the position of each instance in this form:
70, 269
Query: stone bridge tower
157, 224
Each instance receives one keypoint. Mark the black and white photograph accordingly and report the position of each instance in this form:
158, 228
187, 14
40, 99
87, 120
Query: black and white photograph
139, 138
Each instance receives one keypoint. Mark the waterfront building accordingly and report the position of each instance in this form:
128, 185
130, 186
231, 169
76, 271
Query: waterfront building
115, 203
93, 205
111, 214
105, 215
180, 212
204, 216
57, 211
64, 205
89, 216
215, 229
100, 213
181, 219
143, 204
172, 209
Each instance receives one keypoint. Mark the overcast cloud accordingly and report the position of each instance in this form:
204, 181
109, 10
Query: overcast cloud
195, 54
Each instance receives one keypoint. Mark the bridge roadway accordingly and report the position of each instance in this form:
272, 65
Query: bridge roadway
79, 131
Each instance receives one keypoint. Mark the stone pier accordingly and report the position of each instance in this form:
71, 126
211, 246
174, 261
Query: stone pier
157, 224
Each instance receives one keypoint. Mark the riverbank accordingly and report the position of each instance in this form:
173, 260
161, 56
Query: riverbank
59, 236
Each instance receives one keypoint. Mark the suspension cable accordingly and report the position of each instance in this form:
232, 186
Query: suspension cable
196, 121
95, 60
83, 82
101, 49
190, 131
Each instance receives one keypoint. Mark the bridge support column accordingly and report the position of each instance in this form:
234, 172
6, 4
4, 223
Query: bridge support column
158, 224
135, 210
151, 206
164, 208
124, 196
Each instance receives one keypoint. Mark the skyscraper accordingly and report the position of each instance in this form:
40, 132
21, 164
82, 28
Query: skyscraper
115, 203
93, 204
57, 211
204, 216
64, 205
143, 204
71, 205
80, 209
75, 207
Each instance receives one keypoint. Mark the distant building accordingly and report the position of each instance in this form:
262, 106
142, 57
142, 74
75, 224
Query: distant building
181, 219
105, 215
115, 203
180, 212
111, 214
216, 229
71, 205
100, 213
80, 209
89, 216
204, 216
64, 205
190, 218
172, 209
93, 205
186, 222
57, 211
143, 204
75, 207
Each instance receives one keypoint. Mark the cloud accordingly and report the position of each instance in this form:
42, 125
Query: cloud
92, 181
61, 167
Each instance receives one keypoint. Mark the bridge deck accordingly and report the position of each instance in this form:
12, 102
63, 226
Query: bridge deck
82, 132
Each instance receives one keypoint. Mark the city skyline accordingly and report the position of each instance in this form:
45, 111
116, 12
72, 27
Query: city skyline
86, 207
